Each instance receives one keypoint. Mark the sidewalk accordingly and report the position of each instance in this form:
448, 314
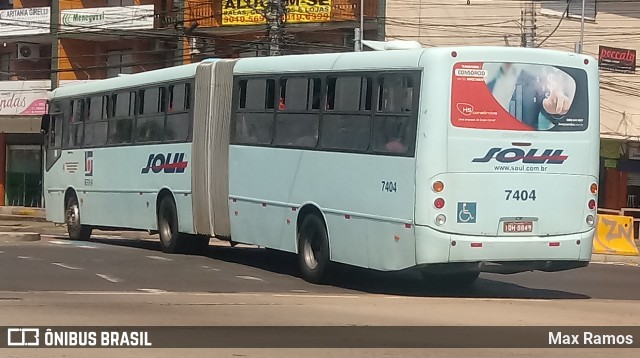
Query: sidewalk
20, 219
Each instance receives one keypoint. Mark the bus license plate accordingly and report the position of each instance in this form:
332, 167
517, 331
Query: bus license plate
518, 226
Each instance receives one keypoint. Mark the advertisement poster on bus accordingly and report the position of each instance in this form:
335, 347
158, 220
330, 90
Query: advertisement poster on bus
253, 12
516, 96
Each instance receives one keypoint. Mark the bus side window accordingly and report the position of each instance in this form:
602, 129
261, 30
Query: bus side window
255, 94
396, 94
348, 93
74, 117
121, 121
391, 130
315, 87
294, 94
150, 125
177, 125
242, 99
95, 128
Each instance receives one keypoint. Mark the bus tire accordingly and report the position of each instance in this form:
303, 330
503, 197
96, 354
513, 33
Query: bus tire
171, 240
76, 230
451, 280
313, 250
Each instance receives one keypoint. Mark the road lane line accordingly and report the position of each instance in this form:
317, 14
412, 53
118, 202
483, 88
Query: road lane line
314, 296
110, 293
87, 247
57, 242
25, 257
152, 290
250, 278
210, 268
108, 278
66, 266
159, 258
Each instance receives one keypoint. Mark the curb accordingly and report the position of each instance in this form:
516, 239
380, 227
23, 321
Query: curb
7, 217
615, 258
19, 236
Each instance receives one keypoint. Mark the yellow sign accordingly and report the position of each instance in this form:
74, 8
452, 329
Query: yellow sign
614, 235
252, 12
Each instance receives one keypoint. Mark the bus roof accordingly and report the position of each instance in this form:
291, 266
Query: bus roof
137, 79
341, 61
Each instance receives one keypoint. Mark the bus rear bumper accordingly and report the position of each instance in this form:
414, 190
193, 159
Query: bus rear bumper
503, 254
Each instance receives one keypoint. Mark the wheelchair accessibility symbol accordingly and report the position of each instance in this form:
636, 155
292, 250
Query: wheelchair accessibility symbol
467, 213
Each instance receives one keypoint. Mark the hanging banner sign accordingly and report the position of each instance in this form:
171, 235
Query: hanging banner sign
254, 12
26, 21
617, 59
108, 18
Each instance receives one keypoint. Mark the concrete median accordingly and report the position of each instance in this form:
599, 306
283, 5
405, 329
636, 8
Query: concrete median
19, 237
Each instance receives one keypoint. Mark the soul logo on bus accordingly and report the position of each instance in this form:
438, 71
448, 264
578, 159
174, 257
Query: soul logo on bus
170, 163
531, 156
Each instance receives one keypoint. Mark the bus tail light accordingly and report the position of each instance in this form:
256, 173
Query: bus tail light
438, 203
441, 219
437, 186
590, 220
594, 188
592, 204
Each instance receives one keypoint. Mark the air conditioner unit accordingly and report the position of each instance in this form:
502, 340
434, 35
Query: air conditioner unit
28, 51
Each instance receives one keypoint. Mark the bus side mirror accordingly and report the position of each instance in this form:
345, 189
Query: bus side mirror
45, 124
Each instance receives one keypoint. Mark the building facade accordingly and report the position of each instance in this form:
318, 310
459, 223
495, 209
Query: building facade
45, 44
610, 35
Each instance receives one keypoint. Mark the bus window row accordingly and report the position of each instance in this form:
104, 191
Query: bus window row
155, 114
388, 93
374, 114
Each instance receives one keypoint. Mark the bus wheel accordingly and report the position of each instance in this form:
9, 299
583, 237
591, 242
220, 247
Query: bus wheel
313, 249
76, 230
170, 238
451, 280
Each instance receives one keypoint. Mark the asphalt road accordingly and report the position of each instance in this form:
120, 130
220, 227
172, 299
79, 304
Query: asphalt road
118, 281
58, 264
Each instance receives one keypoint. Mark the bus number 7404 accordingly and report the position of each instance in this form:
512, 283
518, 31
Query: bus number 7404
522, 195
389, 186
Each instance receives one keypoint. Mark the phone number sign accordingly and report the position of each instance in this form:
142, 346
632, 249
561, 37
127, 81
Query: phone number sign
250, 12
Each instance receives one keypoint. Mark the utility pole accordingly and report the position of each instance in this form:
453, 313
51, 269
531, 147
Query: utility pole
528, 24
275, 13
580, 45
55, 26
178, 12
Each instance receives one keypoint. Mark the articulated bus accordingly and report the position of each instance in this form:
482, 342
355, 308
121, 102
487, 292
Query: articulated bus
452, 161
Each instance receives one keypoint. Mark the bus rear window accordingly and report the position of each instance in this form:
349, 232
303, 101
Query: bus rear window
519, 96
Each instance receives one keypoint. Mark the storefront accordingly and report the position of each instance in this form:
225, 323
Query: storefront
22, 104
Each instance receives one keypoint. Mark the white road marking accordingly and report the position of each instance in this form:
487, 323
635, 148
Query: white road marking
108, 278
111, 293
152, 290
159, 258
315, 296
1, 252
87, 247
25, 257
210, 268
66, 266
57, 242
250, 278
300, 291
